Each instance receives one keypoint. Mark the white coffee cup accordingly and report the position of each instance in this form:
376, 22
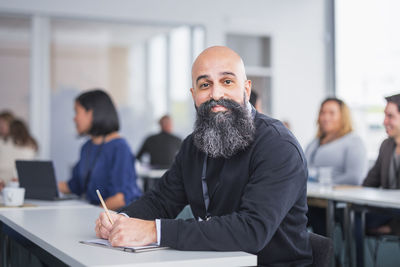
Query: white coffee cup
13, 184
13, 196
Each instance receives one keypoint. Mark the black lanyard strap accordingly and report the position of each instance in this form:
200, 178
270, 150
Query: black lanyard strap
204, 186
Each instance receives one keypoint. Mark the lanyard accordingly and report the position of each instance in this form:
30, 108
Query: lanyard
206, 197
90, 168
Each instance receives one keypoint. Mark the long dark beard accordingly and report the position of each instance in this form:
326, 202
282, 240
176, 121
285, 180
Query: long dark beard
223, 134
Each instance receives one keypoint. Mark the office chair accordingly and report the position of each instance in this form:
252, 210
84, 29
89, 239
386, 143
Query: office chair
322, 250
379, 239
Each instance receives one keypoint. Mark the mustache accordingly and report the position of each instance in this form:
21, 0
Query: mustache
206, 107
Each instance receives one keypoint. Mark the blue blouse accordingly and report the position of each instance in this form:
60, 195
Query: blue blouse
112, 171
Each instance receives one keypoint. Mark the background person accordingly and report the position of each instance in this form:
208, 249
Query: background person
386, 171
6, 117
338, 148
255, 101
162, 147
20, 145
106, 161
336, 145
243, 174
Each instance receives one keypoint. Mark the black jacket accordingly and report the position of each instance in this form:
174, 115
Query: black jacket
257, 199
378, 176
162, 148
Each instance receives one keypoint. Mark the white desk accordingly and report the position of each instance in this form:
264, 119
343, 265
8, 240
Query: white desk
149, 176
362, 196
58, 231
376, 197
47, 204
152, 173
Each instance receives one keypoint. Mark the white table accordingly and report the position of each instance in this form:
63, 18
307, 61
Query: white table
149, 176
362, 196
377, 197
47, 204
58, 232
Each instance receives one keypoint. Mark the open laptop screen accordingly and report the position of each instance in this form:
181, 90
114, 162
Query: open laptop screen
38, 179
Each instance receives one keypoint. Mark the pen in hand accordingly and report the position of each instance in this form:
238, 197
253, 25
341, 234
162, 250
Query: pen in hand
104, 206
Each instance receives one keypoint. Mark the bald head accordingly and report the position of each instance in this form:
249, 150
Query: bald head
218, 55
218, 72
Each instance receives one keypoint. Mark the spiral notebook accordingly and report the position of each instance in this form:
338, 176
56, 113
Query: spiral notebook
106, 244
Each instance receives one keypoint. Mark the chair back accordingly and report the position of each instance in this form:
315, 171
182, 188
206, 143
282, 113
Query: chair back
322, 250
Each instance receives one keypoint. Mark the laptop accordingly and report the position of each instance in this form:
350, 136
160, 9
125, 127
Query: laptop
39, 180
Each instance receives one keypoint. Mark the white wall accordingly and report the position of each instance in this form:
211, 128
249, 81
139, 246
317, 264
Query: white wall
296, 26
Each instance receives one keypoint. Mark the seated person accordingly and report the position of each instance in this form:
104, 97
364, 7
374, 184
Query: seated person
18, 145
243, 174
337, 147
106, 161
255, 101
6, 117
386, 171
161, 147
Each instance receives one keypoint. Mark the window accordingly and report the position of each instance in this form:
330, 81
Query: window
146, 70
367, 62
15, 61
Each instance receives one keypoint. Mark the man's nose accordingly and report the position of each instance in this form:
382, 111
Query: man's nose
217, 92
385, 121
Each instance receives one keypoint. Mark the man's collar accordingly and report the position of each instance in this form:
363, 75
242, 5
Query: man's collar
251, 109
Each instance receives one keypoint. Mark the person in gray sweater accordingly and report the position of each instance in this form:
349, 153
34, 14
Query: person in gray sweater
337, 147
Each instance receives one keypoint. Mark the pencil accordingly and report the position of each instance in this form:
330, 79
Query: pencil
104, 206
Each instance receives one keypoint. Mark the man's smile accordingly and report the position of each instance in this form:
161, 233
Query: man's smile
218, 108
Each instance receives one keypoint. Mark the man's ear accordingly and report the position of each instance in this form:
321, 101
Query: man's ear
247, 88
192, 91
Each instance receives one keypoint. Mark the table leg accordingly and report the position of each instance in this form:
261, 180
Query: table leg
362, 235
4, 245
330, 218
330, 224
347, 235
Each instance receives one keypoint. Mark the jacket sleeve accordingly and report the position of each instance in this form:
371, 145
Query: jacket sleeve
166, 200
373, 178
142, 150
277, 181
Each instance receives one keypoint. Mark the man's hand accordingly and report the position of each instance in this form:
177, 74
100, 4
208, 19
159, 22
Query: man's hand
132, 232
63, 188
126, 231
103, 225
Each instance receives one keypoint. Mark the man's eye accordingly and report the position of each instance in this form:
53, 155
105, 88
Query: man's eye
204, 85
228, 81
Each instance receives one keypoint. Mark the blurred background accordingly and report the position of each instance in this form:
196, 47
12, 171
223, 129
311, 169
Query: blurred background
296, 52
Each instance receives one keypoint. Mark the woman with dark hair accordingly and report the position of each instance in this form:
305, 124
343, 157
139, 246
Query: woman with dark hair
18, 145
337, 150
106, 161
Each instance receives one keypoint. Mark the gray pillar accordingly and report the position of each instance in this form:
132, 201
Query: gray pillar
39, 100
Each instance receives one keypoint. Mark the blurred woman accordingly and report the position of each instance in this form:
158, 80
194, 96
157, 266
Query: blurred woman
338, 149
106, 161
337, 146
18, 145
6, 117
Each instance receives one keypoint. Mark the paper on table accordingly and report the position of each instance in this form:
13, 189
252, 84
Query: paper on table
105, 243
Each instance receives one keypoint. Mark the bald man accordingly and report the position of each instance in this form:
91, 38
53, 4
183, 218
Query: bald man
242, 173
